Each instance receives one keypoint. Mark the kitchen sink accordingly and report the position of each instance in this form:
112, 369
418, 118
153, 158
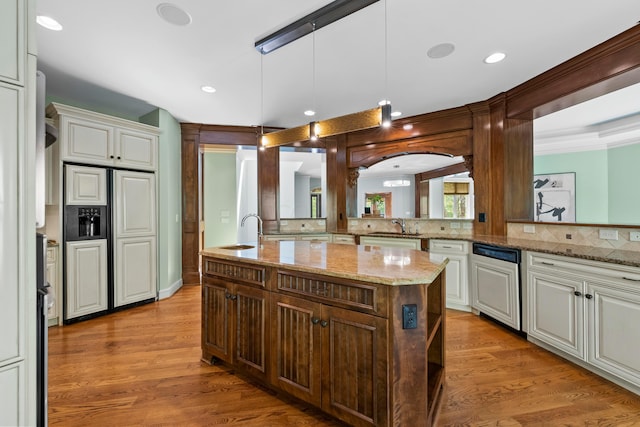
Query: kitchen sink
236, 247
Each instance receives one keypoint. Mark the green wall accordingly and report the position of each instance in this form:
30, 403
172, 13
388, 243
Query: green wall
624, 185
219, 198
169, 201
592, 181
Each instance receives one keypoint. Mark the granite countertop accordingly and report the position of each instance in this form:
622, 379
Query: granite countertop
374, 264
593, 253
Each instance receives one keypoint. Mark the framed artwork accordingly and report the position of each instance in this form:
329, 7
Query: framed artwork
555, 197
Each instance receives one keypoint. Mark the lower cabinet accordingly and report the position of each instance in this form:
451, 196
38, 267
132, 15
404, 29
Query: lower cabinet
457, 271
588, 310
330, 357
394, 242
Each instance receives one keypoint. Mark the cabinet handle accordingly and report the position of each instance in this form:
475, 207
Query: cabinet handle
547, 263
324, 323
315, 320
577, 293
629, 278
118, 157
111, 157
446, 247
588, 296
231, 297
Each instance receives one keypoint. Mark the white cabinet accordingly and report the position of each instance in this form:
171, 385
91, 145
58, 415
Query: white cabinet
54, 280
86, 290
85, 185
588, 310
457, 271
135, 268
556, 314
17, 224
98, 139
613, 315
323, 237
392, 242
12, 45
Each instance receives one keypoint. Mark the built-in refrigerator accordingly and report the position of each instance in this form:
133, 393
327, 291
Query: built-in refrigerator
109, 240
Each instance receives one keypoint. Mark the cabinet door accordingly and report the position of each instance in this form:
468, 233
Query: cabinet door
134, 203
86, 141
12, 404
252, 320
614, 336
136, 149
86, 286
12, 48
135, 270
354, 366
296, 357
556, 312
85, 185
12, 314
217, 320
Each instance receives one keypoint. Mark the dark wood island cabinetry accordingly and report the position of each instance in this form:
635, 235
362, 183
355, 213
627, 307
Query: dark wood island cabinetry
324, 323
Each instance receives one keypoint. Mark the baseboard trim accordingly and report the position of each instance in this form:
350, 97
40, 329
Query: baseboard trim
166, 293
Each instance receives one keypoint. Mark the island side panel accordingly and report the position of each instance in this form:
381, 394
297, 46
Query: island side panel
412, 349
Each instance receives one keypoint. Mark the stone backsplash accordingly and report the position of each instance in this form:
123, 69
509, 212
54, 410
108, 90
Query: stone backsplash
574, 234
423, 226
376, 225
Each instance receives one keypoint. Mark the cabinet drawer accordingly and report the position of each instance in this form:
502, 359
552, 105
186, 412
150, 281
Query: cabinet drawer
364, 297
449, 246
580, 266
238, 272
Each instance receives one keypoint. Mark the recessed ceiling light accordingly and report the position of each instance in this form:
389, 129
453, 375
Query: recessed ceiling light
309, 113
208, 89
49, 23
396, 113
495, 57
441, 50
173, 14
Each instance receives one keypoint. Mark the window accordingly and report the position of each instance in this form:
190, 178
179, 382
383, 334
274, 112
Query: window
456, 200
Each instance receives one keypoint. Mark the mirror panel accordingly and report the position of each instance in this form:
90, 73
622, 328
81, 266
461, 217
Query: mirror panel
394, 180
303, 182
599, 142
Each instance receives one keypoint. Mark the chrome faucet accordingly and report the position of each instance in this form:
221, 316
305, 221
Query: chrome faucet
259, 224
401, 223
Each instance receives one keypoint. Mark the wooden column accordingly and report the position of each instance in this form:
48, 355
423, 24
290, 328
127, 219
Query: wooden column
268, 188
341, 196
190, 212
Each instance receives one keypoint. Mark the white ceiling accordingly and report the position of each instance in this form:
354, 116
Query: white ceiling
119, 56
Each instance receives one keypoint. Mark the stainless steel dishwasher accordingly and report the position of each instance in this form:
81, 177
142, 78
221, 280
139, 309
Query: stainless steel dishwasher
495, 284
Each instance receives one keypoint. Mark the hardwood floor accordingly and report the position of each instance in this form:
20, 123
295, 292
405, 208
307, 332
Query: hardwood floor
142, 367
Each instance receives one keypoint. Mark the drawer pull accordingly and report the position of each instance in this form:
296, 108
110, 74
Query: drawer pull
631, 279
446, 247
324, 323
546, 263
577, 293
588, 296
315, 320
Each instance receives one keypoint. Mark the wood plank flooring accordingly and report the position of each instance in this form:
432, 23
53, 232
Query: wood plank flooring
141, 367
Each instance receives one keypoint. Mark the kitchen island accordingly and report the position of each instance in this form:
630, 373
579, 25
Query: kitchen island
357, 331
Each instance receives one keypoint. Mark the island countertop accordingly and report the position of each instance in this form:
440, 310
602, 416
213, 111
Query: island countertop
375, 264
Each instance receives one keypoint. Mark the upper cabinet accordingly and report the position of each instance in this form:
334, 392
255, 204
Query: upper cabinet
98, 139
12, 45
